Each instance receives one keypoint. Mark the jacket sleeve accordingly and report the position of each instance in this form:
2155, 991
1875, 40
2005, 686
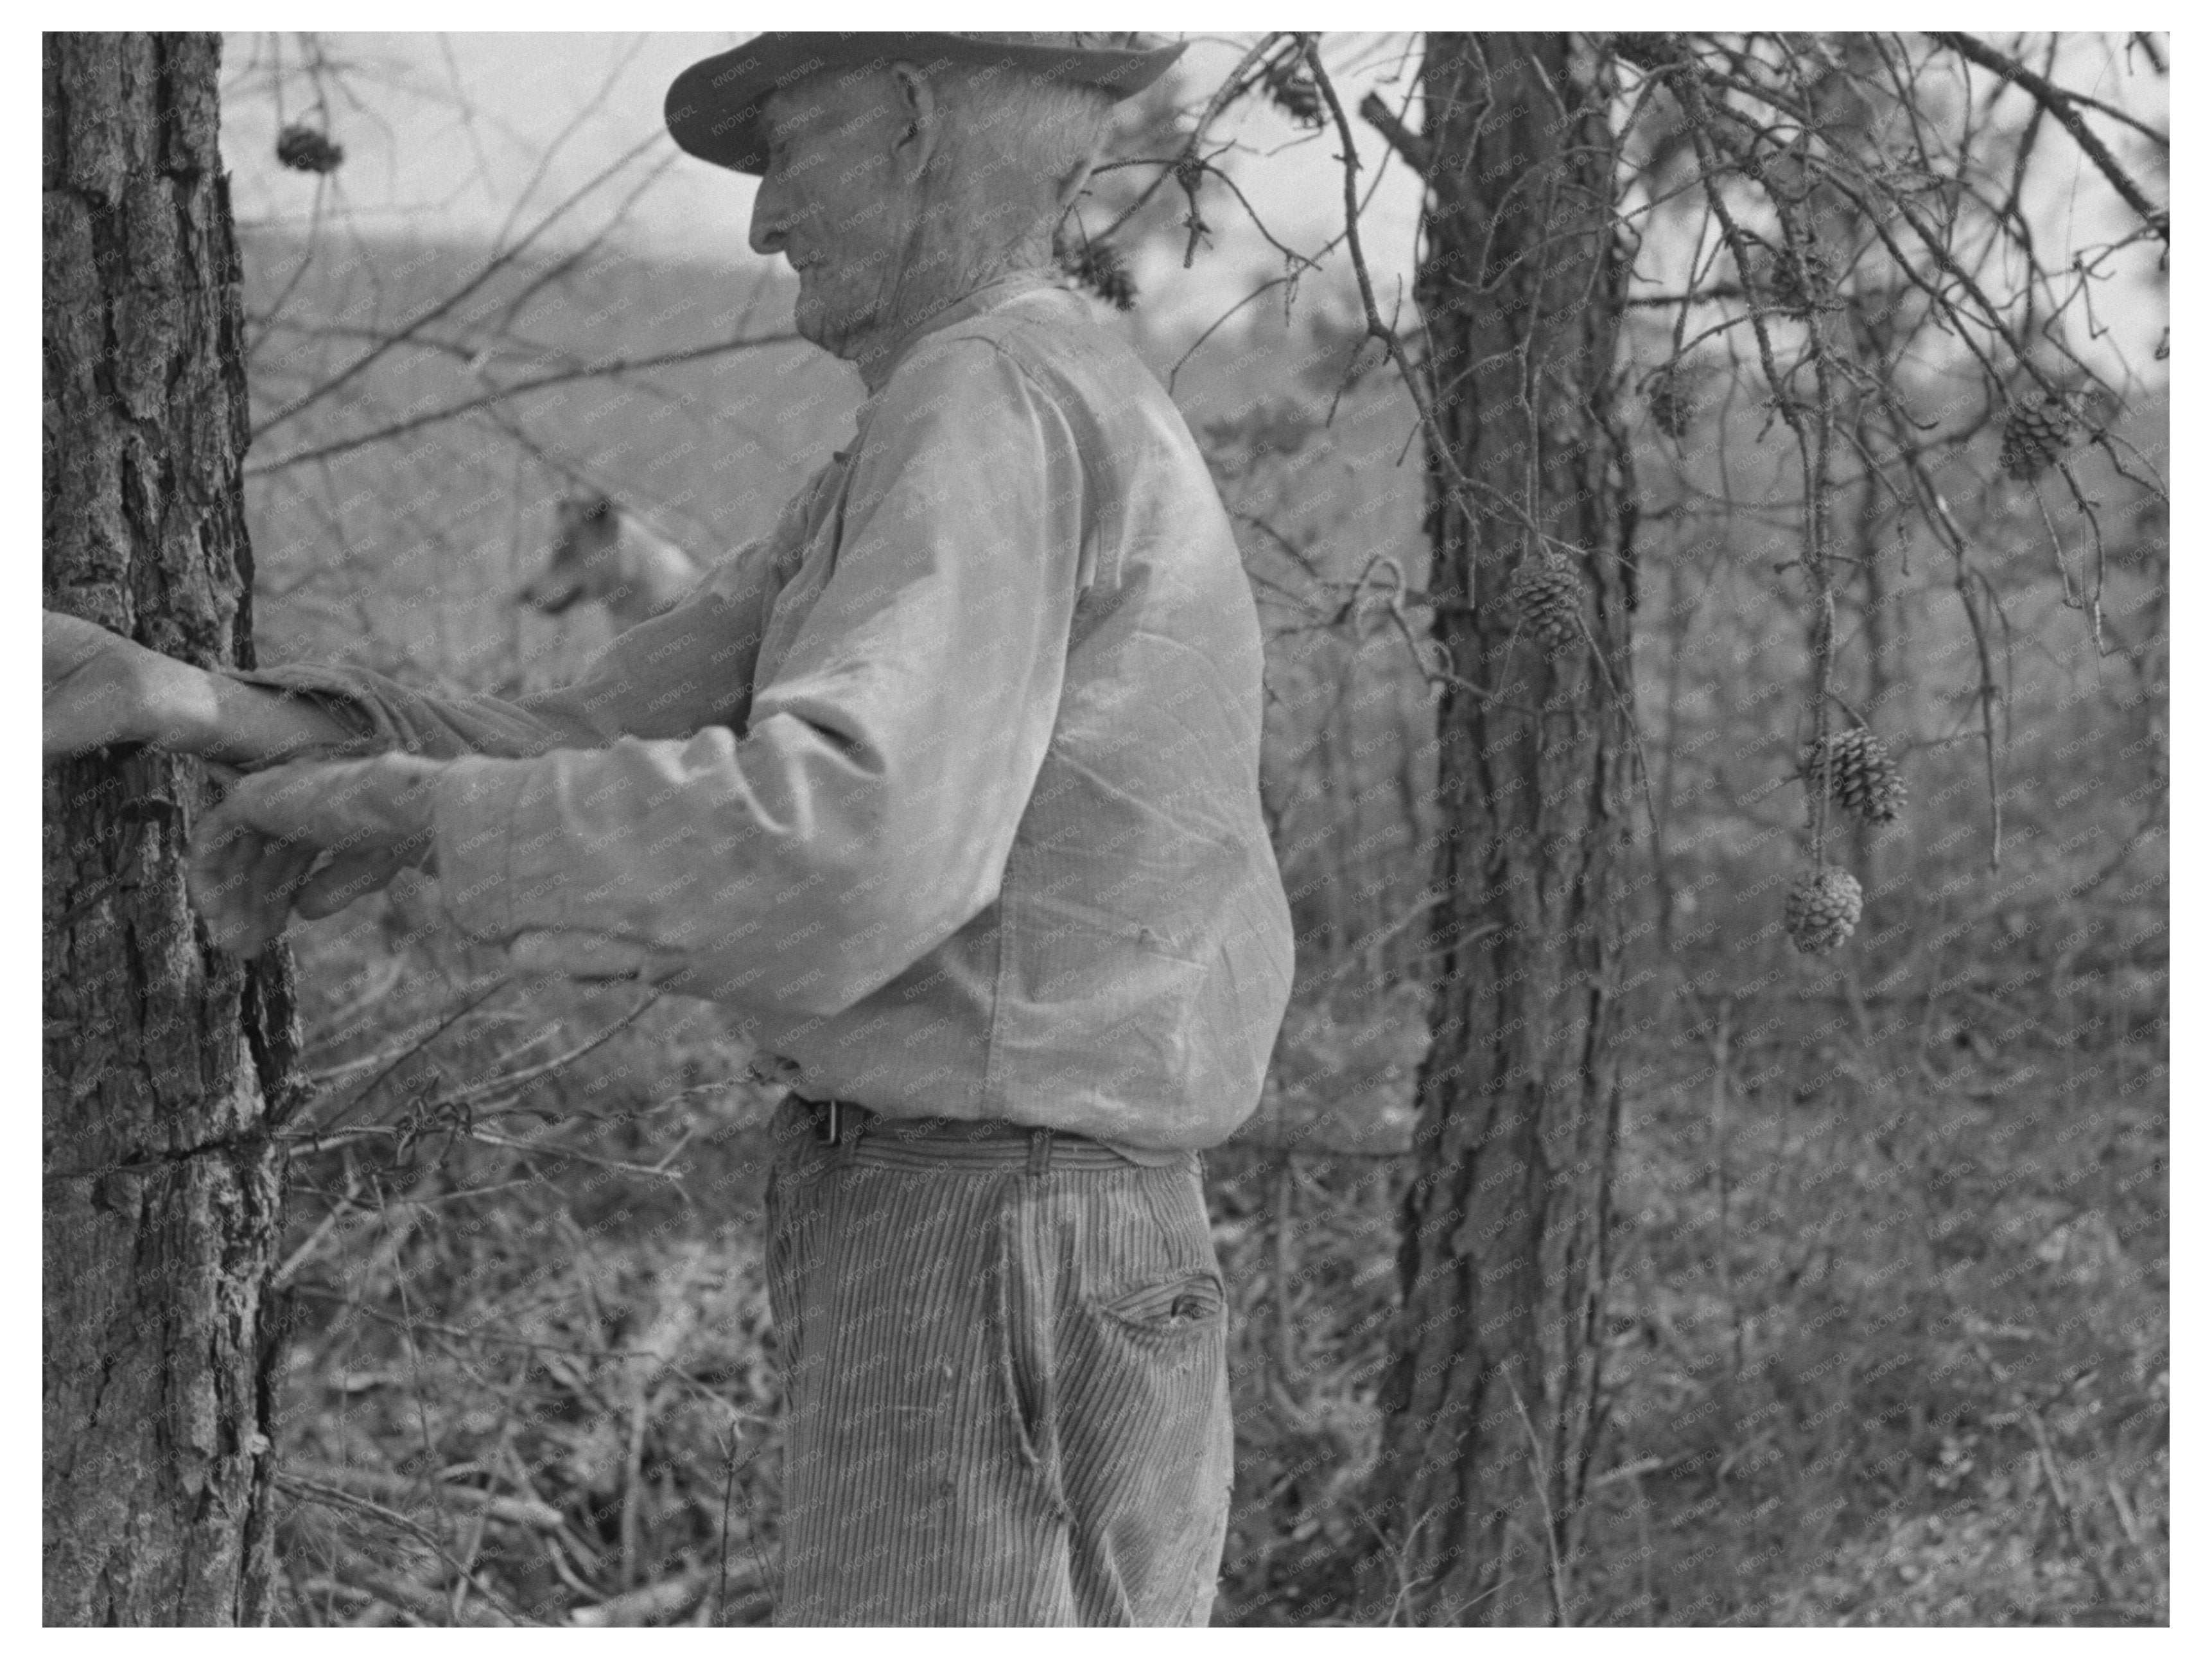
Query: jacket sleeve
715, 634
690, 668
868, 812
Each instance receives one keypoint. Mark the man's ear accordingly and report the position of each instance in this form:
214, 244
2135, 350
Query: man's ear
919, 130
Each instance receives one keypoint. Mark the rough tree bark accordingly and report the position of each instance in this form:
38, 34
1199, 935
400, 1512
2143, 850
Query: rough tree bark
163, 1058
1491, 1404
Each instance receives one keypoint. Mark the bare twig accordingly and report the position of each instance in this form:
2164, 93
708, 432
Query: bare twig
659, 1602
491, 268
1413, 149
604, 368
404, 1594
2061, 110
526, 1512
1462, 489
1556, 1580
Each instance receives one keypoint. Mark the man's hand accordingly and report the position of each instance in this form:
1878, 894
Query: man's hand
101, 688
311, 837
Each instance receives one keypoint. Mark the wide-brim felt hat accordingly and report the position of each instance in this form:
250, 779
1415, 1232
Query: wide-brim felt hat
713, 107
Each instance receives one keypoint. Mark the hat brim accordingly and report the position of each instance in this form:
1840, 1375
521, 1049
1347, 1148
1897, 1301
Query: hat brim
713, 107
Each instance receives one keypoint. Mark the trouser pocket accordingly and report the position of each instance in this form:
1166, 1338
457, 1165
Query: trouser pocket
1174, 1309
1146, 1434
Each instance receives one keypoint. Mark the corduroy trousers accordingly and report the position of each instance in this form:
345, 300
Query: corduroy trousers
1007, 1379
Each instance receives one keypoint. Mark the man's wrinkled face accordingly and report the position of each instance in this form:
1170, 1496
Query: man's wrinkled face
834, 203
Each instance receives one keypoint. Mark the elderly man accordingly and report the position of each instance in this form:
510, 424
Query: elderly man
947, 788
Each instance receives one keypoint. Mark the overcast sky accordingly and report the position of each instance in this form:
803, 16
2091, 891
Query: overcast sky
471, 135
448, 131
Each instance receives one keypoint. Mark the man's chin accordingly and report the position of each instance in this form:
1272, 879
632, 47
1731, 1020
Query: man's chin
835, 334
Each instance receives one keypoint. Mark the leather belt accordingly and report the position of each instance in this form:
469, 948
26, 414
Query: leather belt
992, 1142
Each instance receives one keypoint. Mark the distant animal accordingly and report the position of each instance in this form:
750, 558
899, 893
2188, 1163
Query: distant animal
602, 555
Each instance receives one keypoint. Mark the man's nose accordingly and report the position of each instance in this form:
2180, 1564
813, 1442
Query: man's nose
771, 222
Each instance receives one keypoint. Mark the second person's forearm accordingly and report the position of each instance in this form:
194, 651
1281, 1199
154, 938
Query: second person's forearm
222, 719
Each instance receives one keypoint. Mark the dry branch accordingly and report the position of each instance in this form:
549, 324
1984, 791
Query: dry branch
2060, 105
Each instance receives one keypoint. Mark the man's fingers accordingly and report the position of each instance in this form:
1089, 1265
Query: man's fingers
270, 893
242, 882
219, 881
348, 877
275, 881
214, 870
255, 857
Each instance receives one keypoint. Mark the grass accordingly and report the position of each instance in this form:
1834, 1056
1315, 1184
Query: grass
1888, 1326
1887, 1336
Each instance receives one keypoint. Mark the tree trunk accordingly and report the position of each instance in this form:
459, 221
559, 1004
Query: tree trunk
1491, 1404
162, 1186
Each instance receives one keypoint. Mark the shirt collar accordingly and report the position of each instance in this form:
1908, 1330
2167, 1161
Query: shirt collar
999, 290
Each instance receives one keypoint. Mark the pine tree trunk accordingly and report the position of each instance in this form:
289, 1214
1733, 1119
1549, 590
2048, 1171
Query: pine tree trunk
163, 1187
1491, 1406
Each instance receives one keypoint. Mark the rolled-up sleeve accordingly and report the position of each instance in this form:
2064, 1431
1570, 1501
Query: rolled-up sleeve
868, 811
672, 675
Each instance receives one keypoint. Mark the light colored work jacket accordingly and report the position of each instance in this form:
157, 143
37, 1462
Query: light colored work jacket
947, 787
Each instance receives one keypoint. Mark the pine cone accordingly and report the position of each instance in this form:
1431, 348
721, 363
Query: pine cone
1862, 777
1648, 51
1671, 404
1821, 909
1292, 90
306, 150
1547, 594
1099, 267
1802, 279
2035, 436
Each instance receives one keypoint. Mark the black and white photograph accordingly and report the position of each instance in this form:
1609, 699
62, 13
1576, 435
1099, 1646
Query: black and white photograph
1316, 829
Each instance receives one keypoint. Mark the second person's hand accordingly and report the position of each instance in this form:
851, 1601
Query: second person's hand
100, 688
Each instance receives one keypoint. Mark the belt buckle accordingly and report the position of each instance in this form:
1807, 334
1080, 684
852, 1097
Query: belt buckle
839, 1122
